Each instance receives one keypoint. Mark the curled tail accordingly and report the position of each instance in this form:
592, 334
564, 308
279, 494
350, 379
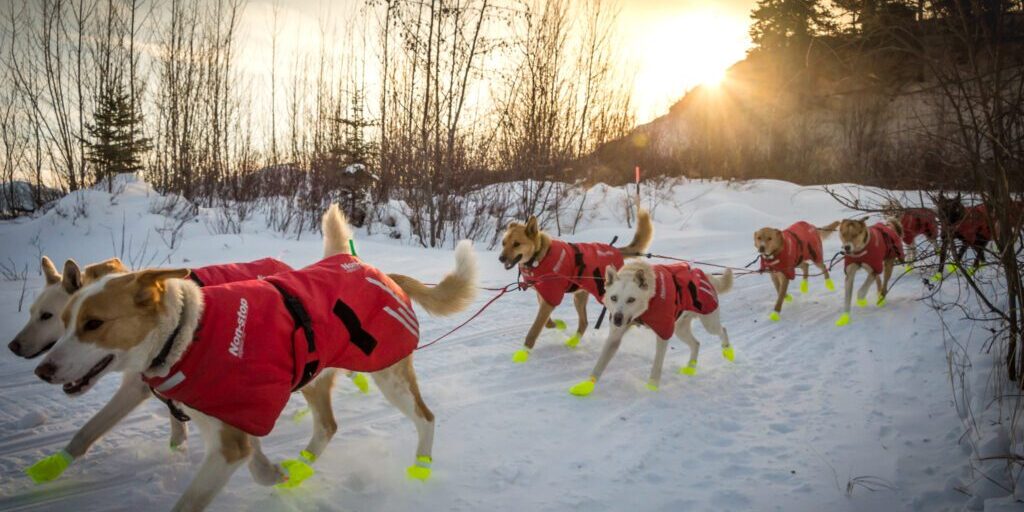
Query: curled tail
642, 237
826, 231
454, 293
336, 232
722, 283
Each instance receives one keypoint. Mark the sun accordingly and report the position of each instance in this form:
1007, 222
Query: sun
683, 51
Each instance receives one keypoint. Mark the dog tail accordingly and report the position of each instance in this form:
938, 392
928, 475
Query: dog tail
722, 283
454, 293
336, 232
826, 231
642, 237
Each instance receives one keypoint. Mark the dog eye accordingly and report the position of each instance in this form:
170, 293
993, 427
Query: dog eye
515, 245
46, 316
630, 300
93, 324
615, 298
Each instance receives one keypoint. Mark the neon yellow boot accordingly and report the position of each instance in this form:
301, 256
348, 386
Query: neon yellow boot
830, 285
789, 298
583, 388
951, 268
573, 340
521, 355
420, 470
559, 324
361, 382
881, 302
862, 303
49, 468
728, 353
298, 470
774, 316
652, 386
843, 320
690, 369
804, 287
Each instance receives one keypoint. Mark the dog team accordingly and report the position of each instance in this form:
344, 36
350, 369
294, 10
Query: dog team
226, 345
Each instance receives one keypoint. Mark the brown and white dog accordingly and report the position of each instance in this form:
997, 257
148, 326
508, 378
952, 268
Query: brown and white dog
782, 251
120, 324
556, 268
874, 249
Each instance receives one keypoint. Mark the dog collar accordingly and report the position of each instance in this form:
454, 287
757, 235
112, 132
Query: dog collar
161, 357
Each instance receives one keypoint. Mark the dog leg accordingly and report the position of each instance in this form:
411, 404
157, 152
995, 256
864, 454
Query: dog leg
262, 470
131, 393
828, 278
883, 290
712, 323
851, 272
226, 449
579, 300
399, 386
659, 361
684, 330
804, 287
551, 323
179, 433
783, 286
318, 396
611, 346
862, 292
543, 314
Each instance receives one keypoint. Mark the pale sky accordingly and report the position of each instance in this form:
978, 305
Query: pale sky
673, 45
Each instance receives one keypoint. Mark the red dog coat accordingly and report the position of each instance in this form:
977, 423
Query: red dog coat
260, 340
229, 273
568, 267
678, 288
800, 243
917, 222
883, 244
974, 228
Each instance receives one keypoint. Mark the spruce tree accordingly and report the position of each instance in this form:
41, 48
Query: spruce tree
116, 142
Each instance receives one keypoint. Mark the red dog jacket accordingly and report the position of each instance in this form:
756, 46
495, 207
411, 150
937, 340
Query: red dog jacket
568, 267
800, 243
883, 244
974, 228
229, 273
260, 340
678, 288
917, 222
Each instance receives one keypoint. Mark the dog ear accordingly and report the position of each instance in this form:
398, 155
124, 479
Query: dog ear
98, 270
514, 224
72, 276
641, 279
150, 284
864, 219
531, 226
49, 271
610, 275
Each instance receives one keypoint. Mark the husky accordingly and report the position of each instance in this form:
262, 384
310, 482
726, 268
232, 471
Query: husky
666, 298
875, 249
154, 322
963, 227
556, 268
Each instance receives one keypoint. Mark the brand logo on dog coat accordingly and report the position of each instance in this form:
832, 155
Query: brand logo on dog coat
238, 342
350, 266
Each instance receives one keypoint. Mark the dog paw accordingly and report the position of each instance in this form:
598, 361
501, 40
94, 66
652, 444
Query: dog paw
573, 341
521, 356
774, 316
420, 470
296, 471
843, 320
49, 468
881, 302
950, 268
558, 325
361, 382
690, 369
862, 303
804, 287
583, 388
652, 386
830, 285
728, 353
789, 298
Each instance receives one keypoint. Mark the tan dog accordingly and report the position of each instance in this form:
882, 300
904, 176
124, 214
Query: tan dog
874, 249
783, 251
120, 323
556, 268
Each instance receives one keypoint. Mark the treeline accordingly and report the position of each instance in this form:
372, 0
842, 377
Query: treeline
421, 101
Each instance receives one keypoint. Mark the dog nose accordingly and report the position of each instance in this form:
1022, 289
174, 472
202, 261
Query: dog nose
46, 371
617, 319
501, 258
15, 347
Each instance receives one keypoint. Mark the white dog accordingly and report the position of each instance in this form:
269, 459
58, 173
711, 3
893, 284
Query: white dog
665, 298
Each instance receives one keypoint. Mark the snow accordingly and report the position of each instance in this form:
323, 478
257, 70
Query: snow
808, 417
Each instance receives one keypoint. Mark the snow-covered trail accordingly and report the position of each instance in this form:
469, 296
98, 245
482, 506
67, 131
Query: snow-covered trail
805, 408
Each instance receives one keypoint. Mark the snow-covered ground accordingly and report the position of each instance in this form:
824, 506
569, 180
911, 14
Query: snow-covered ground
807, 411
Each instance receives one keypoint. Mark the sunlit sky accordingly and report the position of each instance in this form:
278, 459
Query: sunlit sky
671, 45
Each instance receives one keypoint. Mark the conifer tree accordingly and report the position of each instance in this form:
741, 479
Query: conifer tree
116, 143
